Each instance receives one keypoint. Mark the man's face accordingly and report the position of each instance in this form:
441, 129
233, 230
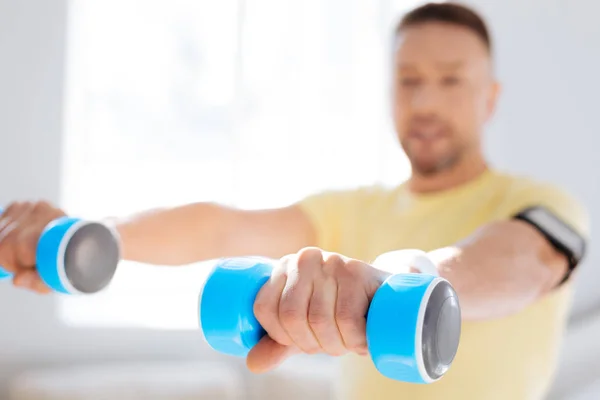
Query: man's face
443, 94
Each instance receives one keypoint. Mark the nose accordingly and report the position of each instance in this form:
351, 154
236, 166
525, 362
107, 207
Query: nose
425, 99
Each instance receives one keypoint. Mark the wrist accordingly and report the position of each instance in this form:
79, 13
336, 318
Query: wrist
114, 225
444, 257
405, 261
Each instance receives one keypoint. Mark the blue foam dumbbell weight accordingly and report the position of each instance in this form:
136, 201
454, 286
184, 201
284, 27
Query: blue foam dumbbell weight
413, 321
4, 274
75, 256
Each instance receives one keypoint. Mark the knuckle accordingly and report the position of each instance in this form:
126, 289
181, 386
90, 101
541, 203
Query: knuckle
19, 206
308, 256
10, 208
13, 204
45, 212
334, 260
354, 267
42, 206
285, 260
261, 310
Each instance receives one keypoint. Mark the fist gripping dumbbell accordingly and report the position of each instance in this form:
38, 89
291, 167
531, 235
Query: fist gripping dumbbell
75, 256
413, 321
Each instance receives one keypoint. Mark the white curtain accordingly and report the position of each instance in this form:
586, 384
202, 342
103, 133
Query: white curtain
253, 103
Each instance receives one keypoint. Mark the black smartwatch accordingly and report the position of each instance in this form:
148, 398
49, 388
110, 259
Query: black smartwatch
561, 235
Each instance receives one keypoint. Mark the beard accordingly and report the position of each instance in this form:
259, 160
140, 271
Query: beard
430, 158
432, 164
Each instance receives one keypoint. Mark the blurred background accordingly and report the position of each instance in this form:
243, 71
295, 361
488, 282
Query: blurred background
109, 107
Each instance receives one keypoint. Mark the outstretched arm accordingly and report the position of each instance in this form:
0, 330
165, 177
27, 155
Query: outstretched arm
173, 236
204, 231
500, 269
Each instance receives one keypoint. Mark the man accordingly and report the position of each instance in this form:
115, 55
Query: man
511, 277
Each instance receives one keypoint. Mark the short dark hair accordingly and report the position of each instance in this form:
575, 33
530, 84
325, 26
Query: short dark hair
450, 13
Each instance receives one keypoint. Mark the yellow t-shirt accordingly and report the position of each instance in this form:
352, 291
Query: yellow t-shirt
511, 358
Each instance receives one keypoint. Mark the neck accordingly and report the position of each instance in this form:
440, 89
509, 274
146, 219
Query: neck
457, 175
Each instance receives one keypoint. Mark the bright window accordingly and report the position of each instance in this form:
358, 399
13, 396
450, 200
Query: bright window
252, 103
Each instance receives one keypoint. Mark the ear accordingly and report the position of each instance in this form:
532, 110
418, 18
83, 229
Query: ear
492, 100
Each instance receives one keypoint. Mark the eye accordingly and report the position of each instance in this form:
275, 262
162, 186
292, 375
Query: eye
409, 81
450, 81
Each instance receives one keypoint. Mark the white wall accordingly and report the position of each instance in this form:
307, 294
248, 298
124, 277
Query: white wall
548, 59
546, 126
32, 52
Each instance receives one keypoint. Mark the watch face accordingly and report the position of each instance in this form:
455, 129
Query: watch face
559, 230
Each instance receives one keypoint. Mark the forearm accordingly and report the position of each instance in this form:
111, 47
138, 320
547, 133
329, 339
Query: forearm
494, 276
174, 236
204, 231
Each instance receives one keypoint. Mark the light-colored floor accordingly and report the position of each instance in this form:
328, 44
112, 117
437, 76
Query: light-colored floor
299, 379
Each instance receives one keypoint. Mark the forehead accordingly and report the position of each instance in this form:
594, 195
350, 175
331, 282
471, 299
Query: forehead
439, 43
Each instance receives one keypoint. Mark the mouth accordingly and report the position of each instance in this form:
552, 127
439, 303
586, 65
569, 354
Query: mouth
429, 134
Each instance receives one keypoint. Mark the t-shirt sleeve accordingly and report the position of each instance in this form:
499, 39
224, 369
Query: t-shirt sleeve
566, 206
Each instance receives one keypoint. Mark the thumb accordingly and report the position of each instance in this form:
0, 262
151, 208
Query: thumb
29, 279
268, 354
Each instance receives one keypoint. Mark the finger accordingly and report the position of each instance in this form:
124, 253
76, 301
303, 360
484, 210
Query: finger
39, 286
25, 244
295, 299
25, 279
12, 214
15, 215
6, 219
321, 317
43, 213
30, 280
268, 354
266, 305
31, 227
321, 313
351, 308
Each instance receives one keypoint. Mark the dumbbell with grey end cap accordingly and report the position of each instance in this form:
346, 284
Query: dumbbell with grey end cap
76, 256
413, 321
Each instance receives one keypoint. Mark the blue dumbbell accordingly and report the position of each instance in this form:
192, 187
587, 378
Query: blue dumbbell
4, 274
75, 256
413, 321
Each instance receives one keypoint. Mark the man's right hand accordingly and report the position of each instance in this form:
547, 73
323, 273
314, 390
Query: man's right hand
171, 236
21, 225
